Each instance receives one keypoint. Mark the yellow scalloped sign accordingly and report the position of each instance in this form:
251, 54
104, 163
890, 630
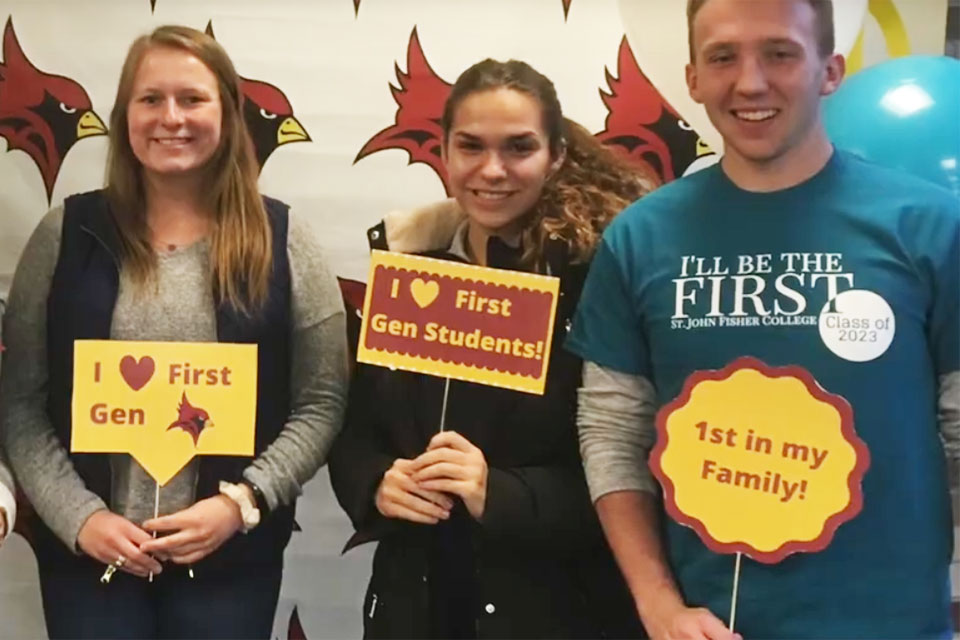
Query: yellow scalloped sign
759, 460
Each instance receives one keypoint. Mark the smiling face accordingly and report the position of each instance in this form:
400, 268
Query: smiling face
497, 157
758, 73
174, 114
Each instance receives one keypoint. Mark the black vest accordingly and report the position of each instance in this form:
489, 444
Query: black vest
80, 305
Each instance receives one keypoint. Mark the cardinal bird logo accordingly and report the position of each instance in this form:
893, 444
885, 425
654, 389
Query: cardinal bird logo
295, 628
40, 113
268, 115
191, 419
419, 99
643, 126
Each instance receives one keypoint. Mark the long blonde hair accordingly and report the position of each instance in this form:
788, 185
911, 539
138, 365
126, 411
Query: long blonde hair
592, 184
241, 241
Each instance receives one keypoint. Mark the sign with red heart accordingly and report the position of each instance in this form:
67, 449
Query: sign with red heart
490, 326
137, 373
164, 402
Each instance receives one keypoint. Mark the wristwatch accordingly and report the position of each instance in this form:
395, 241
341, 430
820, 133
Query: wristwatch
249, 513
258, 496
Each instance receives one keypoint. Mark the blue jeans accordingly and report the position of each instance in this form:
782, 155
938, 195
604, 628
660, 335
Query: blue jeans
221, 604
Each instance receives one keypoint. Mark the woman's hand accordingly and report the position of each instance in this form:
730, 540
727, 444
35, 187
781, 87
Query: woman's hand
106, 537
195, 532
452, 464
398, 496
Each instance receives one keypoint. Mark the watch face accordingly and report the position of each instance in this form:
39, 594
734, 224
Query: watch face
258, 496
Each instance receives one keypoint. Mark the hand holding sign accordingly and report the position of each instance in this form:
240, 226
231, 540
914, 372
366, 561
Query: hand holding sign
399, 496
453, 464
759, 460
106, 537
195, 532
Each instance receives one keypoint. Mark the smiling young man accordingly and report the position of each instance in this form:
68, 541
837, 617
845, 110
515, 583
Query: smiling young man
767, 254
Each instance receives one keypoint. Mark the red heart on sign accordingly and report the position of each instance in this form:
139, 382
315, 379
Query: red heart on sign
136, 373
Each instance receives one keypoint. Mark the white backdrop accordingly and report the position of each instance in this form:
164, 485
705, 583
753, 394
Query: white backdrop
334, 61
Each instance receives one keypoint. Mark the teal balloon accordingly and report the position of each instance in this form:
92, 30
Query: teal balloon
903, 113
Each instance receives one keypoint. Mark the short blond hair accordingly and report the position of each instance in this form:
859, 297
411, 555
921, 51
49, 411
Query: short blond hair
823, 25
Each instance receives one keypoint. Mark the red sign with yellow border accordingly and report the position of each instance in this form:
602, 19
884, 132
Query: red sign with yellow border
449, 319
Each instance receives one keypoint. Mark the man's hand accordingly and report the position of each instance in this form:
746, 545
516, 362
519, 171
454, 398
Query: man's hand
399, 496
452, 464
671, 620
630, 520
107, 537
195, 532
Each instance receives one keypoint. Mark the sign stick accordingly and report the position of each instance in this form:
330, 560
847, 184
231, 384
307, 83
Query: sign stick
443, 411
736, 585
156, 512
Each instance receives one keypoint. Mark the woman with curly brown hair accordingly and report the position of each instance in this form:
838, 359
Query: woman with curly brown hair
486, 529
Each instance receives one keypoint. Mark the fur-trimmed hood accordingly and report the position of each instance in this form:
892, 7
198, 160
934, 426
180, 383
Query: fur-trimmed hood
427, 228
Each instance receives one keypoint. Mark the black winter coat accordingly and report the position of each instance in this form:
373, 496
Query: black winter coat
540, 565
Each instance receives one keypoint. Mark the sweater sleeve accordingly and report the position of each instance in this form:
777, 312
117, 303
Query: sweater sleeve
615, 417
318, 374
38, 458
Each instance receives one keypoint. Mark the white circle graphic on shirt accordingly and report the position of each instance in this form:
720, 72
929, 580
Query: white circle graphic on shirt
857, 325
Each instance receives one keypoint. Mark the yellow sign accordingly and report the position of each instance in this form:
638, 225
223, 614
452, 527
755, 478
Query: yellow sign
164, 402
759, 460
455, 320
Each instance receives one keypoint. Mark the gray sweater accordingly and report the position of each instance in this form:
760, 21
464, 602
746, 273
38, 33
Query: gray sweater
318, 378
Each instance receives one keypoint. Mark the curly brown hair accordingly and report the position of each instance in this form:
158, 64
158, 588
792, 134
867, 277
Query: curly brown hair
591, 186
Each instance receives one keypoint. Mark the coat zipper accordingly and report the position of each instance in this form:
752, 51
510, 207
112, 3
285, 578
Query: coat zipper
373, 607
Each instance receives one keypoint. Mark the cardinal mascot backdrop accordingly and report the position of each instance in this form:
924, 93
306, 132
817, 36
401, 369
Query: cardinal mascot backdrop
343, 100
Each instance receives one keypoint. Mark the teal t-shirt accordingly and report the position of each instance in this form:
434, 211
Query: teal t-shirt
700, 272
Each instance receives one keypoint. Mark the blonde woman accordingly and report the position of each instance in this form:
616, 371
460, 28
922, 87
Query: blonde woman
179, 246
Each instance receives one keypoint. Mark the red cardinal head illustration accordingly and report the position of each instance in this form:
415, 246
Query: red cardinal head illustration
269, 118
40, 113
268, 115
191, 419
420, 98
643, 126
295, 628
